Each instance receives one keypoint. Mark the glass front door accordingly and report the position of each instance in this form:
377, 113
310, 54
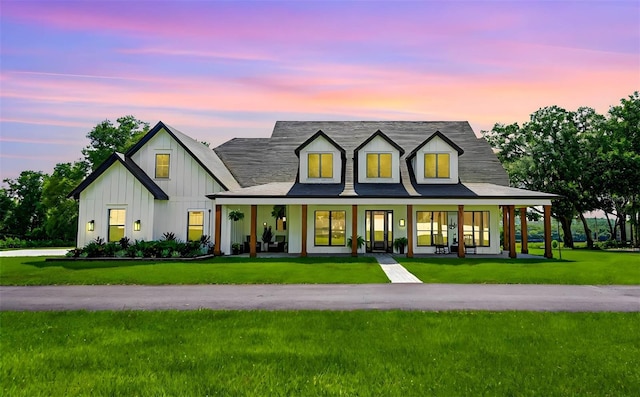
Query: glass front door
379, 230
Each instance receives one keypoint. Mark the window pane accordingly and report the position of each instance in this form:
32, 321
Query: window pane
116, 233
116, 224
443, 165
372, 165
385, 165
314, 165
440, 227
484, 237
195, 228
424, 237
423, 220
322, 228
429, 165
162, 165
326, 165
338, 222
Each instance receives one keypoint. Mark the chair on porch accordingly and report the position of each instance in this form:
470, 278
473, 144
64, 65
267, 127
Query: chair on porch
441, 247
469, 244
278, 245
247, 244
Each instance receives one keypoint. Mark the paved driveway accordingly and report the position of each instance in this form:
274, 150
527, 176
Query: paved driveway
325, 297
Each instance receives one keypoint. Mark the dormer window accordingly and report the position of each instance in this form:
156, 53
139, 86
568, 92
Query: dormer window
379, 165
437, 165
320, 165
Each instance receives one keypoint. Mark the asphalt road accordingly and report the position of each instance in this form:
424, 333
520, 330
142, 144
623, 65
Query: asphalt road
325, 297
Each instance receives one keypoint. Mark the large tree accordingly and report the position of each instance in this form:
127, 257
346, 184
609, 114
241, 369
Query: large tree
107, 138
62, 212
550, 153
28, 214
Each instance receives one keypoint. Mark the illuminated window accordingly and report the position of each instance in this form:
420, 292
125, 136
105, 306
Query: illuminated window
378, 165
162, 165
476, 228
195, 227
436, 165
330, 228
320, 165
116, 224
431, 227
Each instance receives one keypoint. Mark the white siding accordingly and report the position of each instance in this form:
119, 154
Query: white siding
115, 188
320, 145
378, 145
436, 145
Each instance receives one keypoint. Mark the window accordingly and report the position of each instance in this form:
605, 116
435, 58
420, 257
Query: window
116, 224
378, 165
436, 165
431, 227
195, 227
330, 228
320, 165
476, 228
162, 166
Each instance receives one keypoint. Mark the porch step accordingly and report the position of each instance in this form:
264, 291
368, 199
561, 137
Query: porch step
395, 271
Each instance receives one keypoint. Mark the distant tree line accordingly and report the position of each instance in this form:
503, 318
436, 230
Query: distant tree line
591, 160
34, 206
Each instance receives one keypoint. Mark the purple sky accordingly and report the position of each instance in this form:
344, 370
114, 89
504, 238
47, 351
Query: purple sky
218, 70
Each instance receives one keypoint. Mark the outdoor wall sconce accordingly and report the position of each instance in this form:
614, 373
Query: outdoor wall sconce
91, 225
136, 226
402, 222
264, 224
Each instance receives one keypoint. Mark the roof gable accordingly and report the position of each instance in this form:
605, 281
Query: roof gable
383, 136
316, 136
441, 136
130, 166
202, 154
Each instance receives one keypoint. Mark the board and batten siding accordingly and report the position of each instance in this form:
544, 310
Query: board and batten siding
320, 145
187, 186
378, 145
436, 145
116, 188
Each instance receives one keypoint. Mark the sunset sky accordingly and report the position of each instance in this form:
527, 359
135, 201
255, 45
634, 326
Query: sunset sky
218, 70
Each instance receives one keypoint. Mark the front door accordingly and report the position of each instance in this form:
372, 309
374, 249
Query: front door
379, 230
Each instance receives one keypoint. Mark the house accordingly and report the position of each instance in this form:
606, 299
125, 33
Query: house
315, 185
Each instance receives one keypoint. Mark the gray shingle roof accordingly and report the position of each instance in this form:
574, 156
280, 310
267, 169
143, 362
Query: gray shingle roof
261, 161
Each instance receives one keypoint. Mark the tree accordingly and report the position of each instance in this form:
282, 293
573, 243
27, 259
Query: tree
107, 138
62, 212
548, 153
7, 206
28, 214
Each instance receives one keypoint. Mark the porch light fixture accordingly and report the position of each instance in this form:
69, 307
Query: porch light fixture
136, 226
402, 222
264, 224
284, 219
91, 225
452, 225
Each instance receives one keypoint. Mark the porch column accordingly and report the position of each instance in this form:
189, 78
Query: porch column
303, 252
461, 231
512, 231
253, 240
523, 231
409, 231
218, 233
505, 228
547, 232
354, 230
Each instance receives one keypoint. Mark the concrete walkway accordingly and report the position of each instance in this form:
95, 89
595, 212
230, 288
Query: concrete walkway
35, 252
395, 271
495, 297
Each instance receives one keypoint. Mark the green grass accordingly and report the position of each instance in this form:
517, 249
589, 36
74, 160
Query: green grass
576, 267
365, 353
342, 270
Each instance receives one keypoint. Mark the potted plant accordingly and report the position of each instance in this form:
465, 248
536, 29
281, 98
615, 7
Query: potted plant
267, 235
235, 216
359, 242
400, 243
235, 248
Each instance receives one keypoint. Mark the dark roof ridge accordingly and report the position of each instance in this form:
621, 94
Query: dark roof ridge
383, 136
441, 136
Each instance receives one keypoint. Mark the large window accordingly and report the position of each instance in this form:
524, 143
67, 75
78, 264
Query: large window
431, 228
378, 165
116, 224
476, 228
162, 165
320, 165
195, 227
330, 228
436, 165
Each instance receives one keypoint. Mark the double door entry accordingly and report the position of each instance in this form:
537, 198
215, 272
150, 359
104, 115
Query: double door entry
379, 230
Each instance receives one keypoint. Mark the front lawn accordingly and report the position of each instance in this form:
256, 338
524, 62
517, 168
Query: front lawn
578, 266
220, 270
366, 353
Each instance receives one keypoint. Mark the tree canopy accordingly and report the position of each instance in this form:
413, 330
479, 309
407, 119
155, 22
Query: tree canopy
106, 138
